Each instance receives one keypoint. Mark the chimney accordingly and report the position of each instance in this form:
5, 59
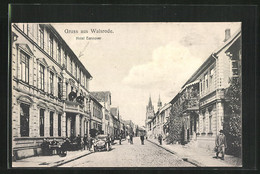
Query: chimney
227, 34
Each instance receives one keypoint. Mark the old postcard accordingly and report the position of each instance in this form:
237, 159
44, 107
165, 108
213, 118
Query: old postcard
147, 94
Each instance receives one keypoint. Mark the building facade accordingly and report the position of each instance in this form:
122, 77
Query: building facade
96, 115
49, 89
201, 101
104, 98
116, 121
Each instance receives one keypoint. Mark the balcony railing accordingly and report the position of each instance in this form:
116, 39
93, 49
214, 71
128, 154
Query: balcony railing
72, 105
190, 103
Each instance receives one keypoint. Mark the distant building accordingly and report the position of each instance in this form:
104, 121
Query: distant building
96, 115
149, 117
104, 98
116, 121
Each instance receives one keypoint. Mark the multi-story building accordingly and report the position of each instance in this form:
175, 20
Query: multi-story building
104, 97
116, 121
49, 88
202, 98
186, 105
96, 115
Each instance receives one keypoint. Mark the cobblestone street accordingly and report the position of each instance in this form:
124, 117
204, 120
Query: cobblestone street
127, 155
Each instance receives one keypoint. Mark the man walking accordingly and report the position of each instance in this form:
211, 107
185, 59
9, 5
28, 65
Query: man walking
160, 139
131, 138
221, 144
142, 139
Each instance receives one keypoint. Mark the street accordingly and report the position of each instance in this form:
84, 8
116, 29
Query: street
127, 155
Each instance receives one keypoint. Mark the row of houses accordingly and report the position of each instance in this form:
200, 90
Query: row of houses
50, 92
200, 103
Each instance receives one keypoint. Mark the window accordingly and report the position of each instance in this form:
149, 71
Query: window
51, 123
204, 124
67, 91
25, 29
24, 67
41, 78
41, 37
76, 71
212, 72
24, 120
65, 59
71, 68
28, 29
41, 122
51, 45
234, 67
206, 81
59, 53
200, 86
59, 88
51, 83
210, 121
59, 125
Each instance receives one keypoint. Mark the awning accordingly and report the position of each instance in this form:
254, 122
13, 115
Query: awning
192, 83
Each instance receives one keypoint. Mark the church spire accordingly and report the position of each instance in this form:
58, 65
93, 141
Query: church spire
150, 102
159, 104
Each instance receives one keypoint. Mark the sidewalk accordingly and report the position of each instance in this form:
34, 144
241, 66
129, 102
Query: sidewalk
198, 156
50, 161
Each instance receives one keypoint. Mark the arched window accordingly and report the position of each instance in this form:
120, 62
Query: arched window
24, 119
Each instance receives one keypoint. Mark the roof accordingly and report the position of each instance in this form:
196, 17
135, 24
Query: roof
212, 57
164, 107
102, 96
150, 102
114, 111
190, 84
95, 99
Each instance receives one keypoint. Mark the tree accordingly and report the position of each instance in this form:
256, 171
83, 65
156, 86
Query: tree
175, 126
233, 118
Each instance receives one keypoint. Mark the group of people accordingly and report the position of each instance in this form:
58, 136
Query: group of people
129, 138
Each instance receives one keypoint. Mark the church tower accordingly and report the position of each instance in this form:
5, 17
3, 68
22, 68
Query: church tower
149, 111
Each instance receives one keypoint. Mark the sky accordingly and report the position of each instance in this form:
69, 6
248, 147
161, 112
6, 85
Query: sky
137, 60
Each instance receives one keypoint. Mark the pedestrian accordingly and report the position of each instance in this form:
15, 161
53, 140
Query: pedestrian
78, 140
131, 139
220, 145
109, 140
85, 140
89, 143
142, 139
128, 138
160, 139
120, 138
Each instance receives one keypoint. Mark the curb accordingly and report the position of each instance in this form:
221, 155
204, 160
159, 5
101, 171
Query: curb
70, 160
191, 161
